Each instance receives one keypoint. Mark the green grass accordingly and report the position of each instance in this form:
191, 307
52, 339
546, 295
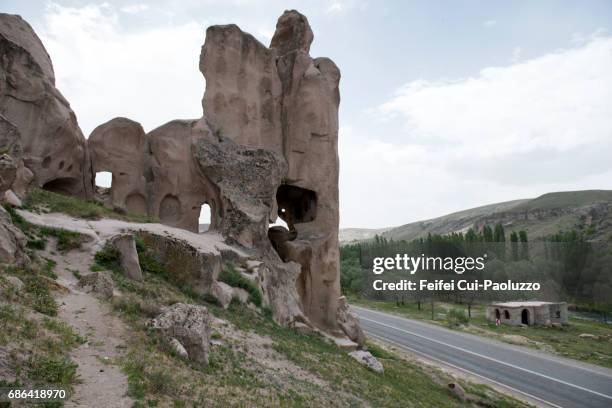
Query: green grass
40, 347
51, 370
233, 278
108, 258
39, 296
42, 200
159, 377
564, 341
37, 236
66, 240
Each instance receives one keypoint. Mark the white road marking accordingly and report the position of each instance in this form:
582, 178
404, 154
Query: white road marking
467, 371
491, 359
577, 365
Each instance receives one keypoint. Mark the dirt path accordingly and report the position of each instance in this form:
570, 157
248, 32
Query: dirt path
101, 382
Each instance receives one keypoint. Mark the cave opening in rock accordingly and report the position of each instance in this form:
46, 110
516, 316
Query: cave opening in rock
296, 205
104, 179
63, 185
204, 220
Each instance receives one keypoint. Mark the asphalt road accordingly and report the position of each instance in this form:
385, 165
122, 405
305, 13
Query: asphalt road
549, 380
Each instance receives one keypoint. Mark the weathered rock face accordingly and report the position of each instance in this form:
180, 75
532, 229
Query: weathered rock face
118, 146
176, 187
54, 148
126, 245
349, 322
100, 283
13, 174
307, 200
189, 325
243, 90
247, 180
265, 148
12, 241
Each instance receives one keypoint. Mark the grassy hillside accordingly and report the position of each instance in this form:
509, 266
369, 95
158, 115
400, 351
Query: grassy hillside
587, 210
52, 339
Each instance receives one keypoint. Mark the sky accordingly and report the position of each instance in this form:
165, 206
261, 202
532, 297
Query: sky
445, 105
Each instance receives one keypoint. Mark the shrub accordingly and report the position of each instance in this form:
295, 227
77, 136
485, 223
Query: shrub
56, 371
38, 244
66, 240
233, 278
108, 258
40, 296
456, 317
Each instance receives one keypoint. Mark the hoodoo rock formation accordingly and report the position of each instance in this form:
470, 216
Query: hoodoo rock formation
53, 146
266, 147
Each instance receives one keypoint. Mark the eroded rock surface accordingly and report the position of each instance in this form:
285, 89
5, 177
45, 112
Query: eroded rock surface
12, 241
265, 147
118, 146
54, 148
189, 325
367, 359
126, 245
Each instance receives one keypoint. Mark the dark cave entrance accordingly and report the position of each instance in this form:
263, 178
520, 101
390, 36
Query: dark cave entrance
296, 205
63, 185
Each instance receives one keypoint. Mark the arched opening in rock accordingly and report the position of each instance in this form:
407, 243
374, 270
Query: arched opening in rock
296, 205
64, 185
170, 209
204, 220
104, 179
136, 203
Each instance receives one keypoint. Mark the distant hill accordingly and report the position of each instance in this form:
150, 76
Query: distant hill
359, 234
588, 210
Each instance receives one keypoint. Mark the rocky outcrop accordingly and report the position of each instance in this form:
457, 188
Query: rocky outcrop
100, 283
126, 245
266, 147
367, 359
305, 132
12, 241
118, 146
190, 266
189, 325
14, 176
247, 179
54, 148
243, 91
349, 322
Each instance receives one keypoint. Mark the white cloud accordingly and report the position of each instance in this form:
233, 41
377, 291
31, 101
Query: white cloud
509, 132
135, 8
150, 76
559, 101
265, 34
489, 23
335, 7
516, 55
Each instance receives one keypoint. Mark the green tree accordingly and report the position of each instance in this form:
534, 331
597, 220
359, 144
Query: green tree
514, 239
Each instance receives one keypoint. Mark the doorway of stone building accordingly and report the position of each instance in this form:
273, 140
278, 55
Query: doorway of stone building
525, 316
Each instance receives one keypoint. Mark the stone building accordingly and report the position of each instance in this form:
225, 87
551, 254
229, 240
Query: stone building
528, 313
